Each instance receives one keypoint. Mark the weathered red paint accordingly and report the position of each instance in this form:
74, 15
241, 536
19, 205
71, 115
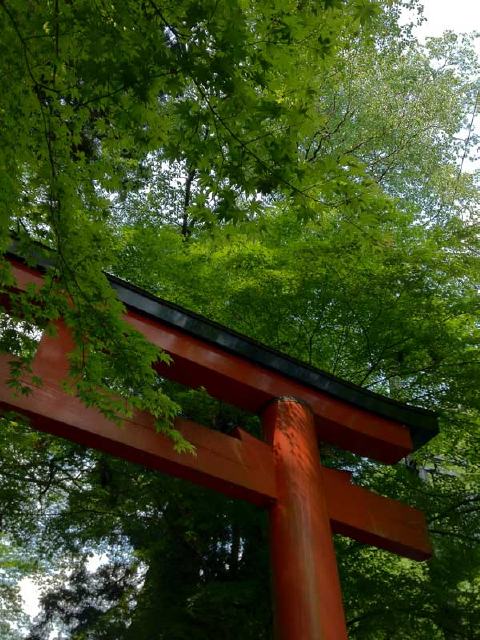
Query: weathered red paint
307, 595
306, 501
373, 519
240, 466
249, 386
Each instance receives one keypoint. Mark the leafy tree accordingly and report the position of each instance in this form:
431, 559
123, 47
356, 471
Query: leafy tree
96, 88
297, 172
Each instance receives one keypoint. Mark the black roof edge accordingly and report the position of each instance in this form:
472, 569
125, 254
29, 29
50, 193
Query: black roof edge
423, 423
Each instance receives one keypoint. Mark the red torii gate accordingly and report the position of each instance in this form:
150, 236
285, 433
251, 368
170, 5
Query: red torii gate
298, 405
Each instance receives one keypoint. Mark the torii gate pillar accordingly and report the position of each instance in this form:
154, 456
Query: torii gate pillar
306, 586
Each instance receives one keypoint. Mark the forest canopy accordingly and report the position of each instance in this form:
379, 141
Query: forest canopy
299, 171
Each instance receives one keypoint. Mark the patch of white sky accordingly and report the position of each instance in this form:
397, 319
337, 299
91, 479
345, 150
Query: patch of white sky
30, 591
460, 16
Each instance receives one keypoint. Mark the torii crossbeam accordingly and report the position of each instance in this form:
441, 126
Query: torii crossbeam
298, 404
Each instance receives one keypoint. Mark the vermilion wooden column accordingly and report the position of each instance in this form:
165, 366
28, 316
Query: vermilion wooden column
307, 596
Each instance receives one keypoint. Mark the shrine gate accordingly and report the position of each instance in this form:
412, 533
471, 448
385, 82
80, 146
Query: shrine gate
298, 405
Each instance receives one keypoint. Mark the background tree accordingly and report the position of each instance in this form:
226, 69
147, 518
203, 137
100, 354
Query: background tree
298, 175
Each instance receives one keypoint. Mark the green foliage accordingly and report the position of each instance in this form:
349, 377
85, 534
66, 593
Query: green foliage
94, 89
297, 171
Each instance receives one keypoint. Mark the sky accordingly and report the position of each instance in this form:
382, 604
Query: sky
461, 16
455, 15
